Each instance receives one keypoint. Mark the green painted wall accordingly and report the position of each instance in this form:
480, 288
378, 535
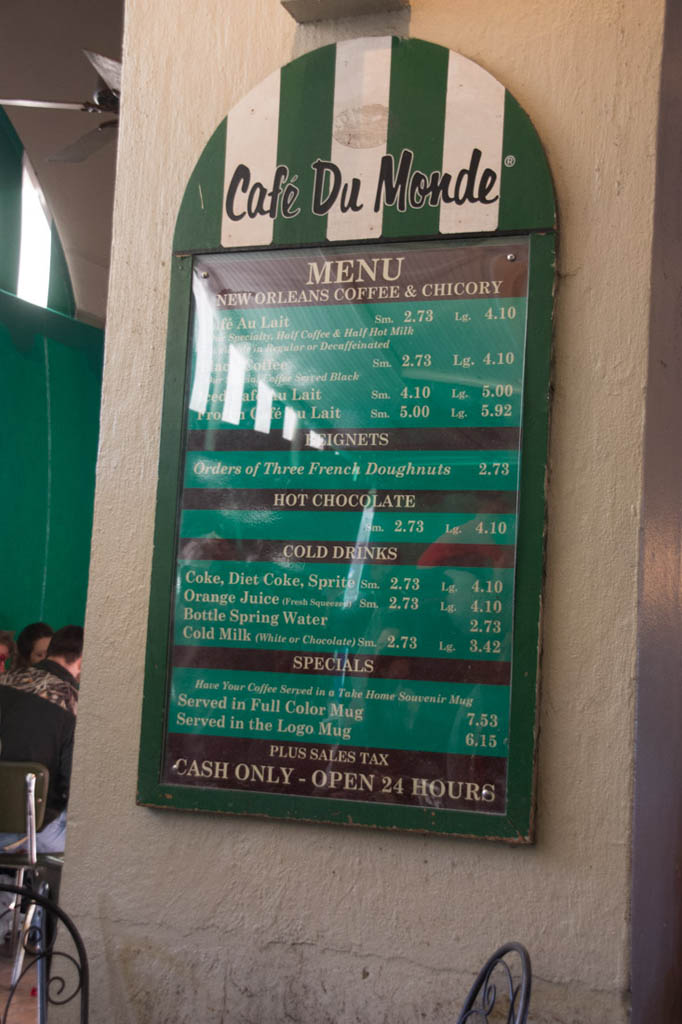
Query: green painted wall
50, 381
51, 370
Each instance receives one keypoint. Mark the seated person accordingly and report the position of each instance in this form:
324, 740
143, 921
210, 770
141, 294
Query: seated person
37, 719
32, 645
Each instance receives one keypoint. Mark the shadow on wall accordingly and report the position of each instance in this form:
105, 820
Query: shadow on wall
310, 35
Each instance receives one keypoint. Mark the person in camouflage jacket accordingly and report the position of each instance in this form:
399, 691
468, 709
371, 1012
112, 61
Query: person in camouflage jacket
38, 708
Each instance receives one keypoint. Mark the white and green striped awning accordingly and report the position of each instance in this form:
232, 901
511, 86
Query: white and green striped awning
368, 139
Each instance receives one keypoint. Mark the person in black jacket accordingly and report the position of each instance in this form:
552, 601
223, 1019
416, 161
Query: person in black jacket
38, 708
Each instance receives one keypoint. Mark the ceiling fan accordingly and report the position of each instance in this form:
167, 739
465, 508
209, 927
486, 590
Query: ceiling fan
105, 100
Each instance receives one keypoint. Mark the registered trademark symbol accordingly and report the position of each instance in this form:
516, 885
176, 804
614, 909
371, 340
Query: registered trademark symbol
509, 161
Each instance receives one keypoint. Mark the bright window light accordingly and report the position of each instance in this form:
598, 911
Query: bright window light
36, 242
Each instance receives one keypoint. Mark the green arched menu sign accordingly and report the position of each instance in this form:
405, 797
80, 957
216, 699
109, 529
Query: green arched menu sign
346, 588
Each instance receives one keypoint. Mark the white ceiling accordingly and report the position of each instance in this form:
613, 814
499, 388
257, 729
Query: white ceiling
40, 58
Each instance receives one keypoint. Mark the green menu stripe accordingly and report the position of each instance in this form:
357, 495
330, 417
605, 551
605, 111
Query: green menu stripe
452, 528
401, 720
496, 556
226, 498
402, 439
442, 670
526, 193
424, 470
418, 90
304, 136
393, 714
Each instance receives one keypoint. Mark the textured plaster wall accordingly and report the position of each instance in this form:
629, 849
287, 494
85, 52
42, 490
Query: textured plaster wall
201, 919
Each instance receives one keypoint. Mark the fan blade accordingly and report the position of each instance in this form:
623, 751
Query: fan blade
47, 104
107, 68
88, 144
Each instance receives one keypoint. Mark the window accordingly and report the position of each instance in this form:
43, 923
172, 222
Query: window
36, 241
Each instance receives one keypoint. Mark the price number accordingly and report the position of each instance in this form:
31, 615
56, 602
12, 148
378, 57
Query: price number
402, 642
497, 391
487, 586
494, 469
417, 316
485, 646
503, 313
415, 412
482, 721
418, 391
486, 607
495, 528
485, 626
405, 583
415, 359
481, 739
499, 410
403, 602
408, 525
499, 358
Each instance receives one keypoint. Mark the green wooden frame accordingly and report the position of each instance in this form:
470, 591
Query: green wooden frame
197, 232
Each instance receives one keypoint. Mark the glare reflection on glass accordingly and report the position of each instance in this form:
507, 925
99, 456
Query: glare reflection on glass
36, 241
351, 592
263, 407
234, 390
203, 344
314, 440
290, 423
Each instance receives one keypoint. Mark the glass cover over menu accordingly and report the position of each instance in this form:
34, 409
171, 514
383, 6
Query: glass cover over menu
342, 618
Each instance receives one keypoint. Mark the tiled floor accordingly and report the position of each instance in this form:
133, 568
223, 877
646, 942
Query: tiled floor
24, 1006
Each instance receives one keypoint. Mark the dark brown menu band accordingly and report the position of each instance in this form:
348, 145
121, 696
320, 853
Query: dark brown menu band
379, 666
408, 777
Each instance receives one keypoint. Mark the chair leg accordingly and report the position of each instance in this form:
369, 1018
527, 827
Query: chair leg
15, 918
40, 927
21, 949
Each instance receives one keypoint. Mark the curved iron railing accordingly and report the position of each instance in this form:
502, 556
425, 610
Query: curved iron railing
504, 979
57, 983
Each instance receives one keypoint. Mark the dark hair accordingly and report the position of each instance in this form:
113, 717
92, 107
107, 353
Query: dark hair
67, 643
27, 638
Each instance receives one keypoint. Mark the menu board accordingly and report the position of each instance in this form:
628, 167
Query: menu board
342, 621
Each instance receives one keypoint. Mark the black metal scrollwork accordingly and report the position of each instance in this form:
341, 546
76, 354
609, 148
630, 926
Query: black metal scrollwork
61, 975
501, 984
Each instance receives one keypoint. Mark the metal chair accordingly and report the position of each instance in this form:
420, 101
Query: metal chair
23, 799
509, 970
62, 974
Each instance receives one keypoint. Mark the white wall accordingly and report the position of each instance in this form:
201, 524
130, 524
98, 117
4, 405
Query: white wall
200, 918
